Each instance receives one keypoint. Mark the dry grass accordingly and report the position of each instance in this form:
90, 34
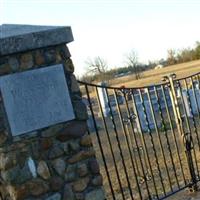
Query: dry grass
155, 76
129, 167
170, 159
149, 77
168, 146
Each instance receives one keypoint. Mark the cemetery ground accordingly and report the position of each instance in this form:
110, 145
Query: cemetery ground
175, 161
175, 164
154, 76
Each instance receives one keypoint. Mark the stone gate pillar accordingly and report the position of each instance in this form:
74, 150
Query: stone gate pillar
45, 151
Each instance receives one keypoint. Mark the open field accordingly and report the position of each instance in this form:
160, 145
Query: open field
172, 165
154, 162
151, 77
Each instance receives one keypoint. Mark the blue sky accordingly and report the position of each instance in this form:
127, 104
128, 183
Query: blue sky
112, 28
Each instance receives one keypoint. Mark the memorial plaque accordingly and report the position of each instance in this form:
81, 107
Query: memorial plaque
36, 99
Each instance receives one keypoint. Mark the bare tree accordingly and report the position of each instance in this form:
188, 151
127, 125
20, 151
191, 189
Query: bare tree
171, 56
132, 61
97, 66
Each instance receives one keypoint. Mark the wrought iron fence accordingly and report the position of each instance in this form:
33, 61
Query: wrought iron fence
146, 139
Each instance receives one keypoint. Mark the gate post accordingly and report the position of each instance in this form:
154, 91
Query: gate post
45, 150
185, 137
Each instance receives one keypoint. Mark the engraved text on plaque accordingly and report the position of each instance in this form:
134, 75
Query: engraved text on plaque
36, 99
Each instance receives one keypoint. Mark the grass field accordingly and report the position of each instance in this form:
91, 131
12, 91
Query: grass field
151, 77
135, 153
172, 164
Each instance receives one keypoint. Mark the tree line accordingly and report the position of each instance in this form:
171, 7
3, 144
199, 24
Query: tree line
97, 68
183, 55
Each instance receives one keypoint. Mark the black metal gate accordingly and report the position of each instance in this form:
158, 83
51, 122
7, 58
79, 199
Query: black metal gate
147, 139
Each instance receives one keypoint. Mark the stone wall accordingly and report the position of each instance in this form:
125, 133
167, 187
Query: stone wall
52, 163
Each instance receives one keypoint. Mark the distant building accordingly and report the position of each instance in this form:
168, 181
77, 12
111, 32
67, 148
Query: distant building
158, 67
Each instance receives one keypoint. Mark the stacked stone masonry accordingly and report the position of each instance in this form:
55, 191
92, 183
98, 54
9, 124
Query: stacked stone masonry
63, 156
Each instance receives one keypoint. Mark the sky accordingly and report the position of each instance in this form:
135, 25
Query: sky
112, 28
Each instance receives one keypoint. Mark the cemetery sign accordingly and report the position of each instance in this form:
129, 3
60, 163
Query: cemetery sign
36, 99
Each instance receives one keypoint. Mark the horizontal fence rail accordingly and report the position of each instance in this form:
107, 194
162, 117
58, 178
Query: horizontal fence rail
147, 139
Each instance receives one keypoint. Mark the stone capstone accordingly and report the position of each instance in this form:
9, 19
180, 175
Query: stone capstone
18, 38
